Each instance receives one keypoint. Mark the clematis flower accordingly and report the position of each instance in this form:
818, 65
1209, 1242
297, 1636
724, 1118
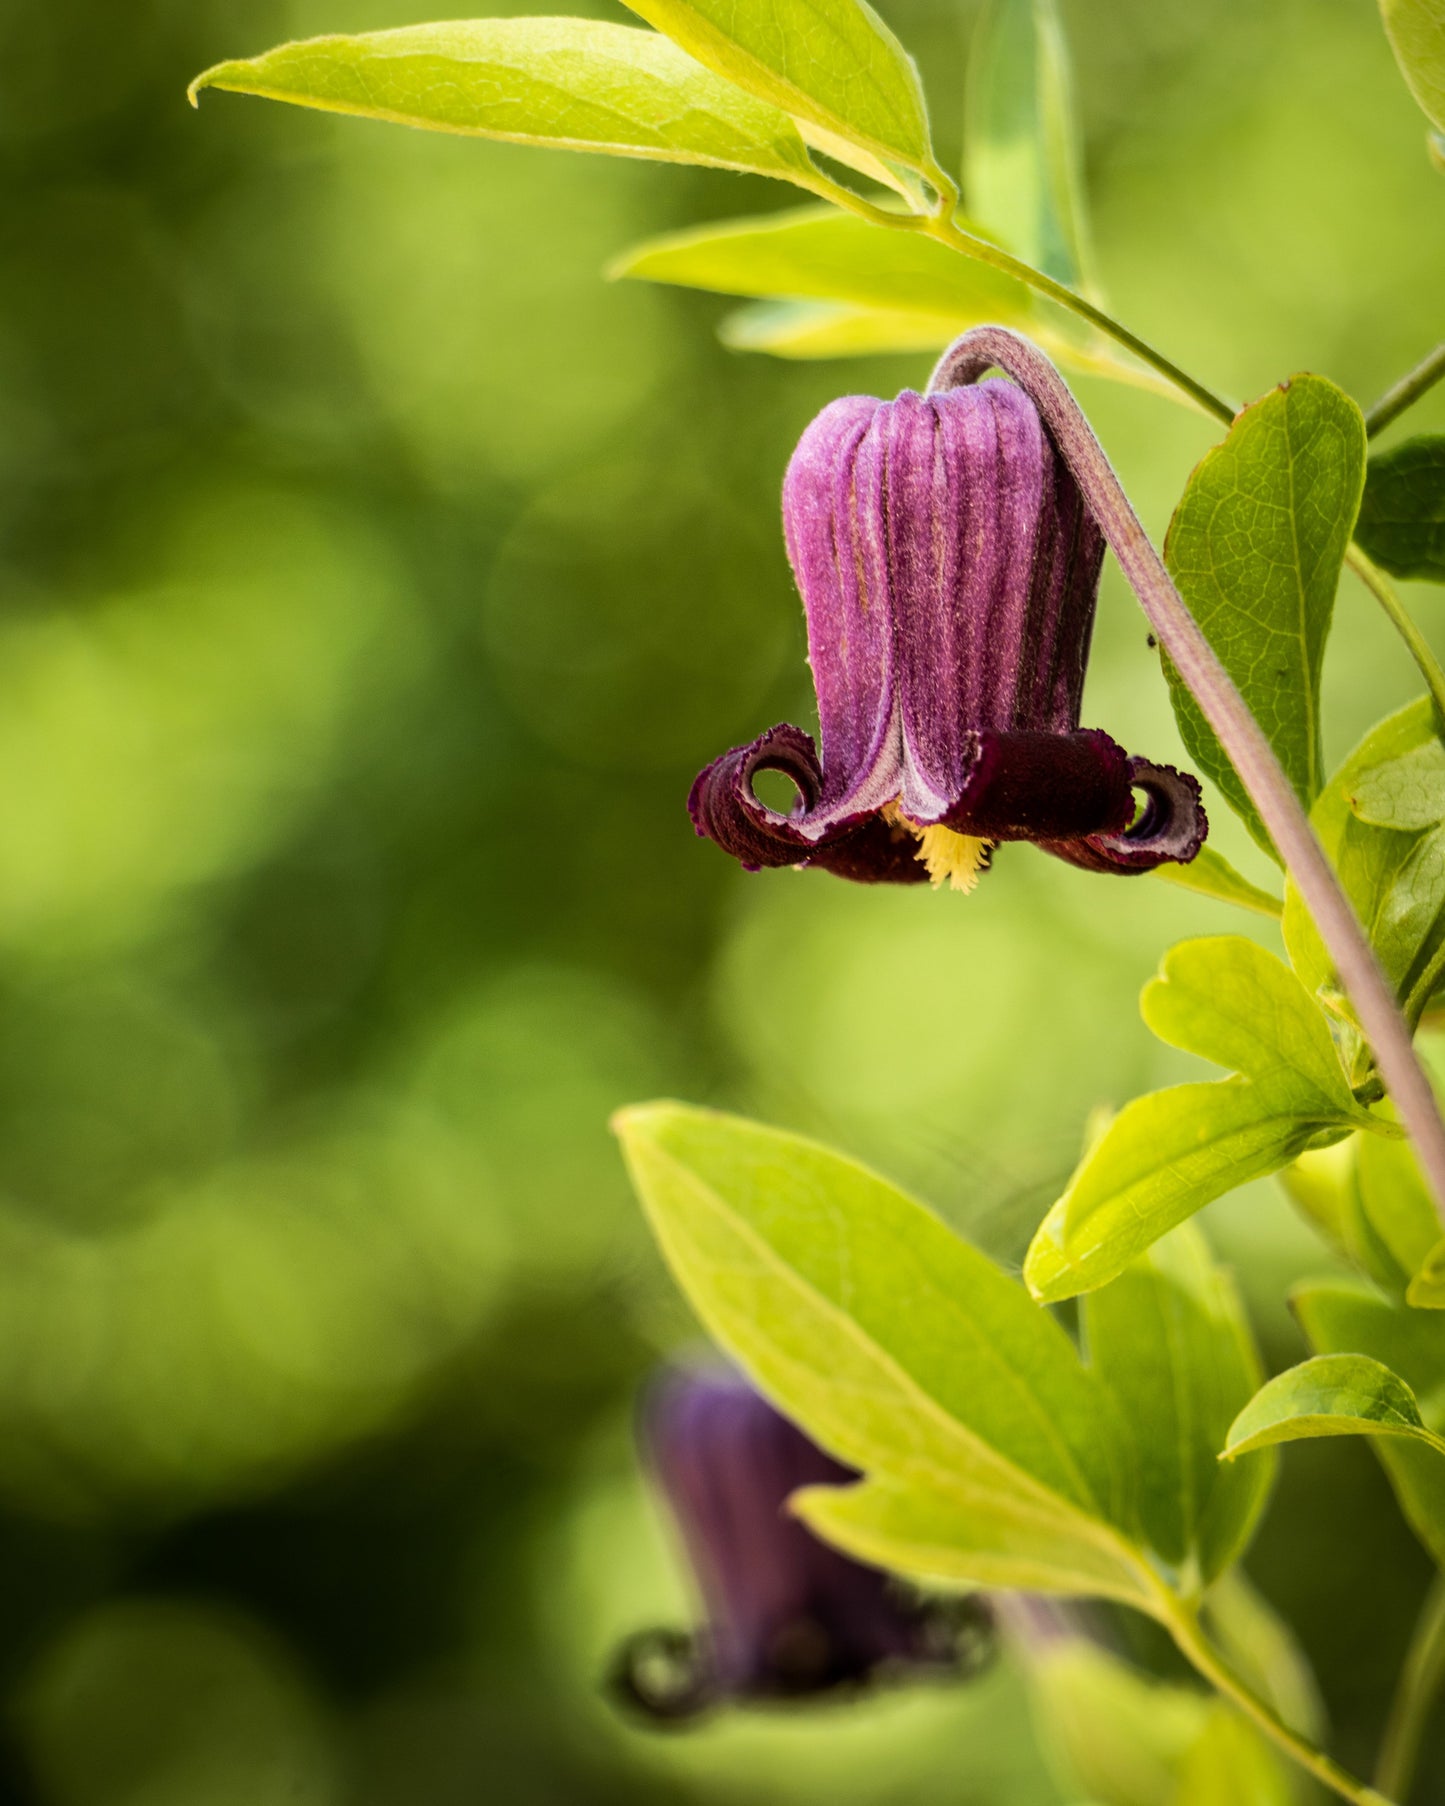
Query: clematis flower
788, 1616
949, 569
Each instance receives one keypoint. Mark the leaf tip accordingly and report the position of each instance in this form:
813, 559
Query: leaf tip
214, 77
645, 1122
622, 266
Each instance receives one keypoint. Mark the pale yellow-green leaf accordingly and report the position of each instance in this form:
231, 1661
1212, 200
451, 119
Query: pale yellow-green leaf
576, 84
974, 1536
831, 62
1416, 29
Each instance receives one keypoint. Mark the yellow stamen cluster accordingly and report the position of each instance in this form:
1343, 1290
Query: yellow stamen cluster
951, 858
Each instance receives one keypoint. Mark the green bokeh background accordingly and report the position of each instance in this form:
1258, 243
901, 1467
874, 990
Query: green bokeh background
375, 578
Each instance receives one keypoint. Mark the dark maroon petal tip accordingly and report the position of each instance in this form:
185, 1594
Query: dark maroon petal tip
1170, 828
724, 809
1043, 786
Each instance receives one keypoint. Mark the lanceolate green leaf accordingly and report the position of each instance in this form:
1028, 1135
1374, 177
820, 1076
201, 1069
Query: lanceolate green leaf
1021, 162
977, 1536
1402, 517
819, 253
1342, 1318
1166, 1155
1256, 547
992, 1453
1416, 30
869, 288
833, 62
1379, 819
825, 329
1163, 1157
1171, 1340
1331, 1395
574, 83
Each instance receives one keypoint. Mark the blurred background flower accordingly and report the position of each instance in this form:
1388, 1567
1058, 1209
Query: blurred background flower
375, 580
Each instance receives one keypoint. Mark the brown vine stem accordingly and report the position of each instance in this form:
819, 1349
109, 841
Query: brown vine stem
1260, 772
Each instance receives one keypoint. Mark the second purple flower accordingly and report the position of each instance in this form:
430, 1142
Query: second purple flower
949, 569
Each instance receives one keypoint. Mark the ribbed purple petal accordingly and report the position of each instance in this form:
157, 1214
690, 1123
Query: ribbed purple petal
833, 520
995, 567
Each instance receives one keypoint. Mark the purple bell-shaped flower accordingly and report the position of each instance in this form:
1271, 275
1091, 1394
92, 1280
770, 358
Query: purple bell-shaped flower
787, 1616
949, 569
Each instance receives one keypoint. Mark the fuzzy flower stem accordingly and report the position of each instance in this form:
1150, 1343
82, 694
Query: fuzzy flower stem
1226, 712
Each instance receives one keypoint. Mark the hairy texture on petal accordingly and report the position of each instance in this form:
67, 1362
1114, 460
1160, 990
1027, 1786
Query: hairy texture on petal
787, 1614
1038, 786
833, 520
1171, 827
995, 565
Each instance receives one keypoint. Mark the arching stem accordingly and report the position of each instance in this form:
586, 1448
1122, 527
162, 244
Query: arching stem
1227, 713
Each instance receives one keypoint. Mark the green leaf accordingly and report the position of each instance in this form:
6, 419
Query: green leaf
823, 329
841, 286
1397, 1206
1331, 1395
821, 254
1111, 1732
1416, 29
1402, 516
1321, 1186
1406, 792
1231, 1001
1211, 875
1021, 159
1230, 1764
1345, 1318
993, 1453
1256, 545
1171, 1340
833, 63
1394, 875
968, 1535
573, 83
1166, 1155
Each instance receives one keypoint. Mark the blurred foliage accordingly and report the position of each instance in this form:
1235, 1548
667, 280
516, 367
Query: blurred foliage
375, 579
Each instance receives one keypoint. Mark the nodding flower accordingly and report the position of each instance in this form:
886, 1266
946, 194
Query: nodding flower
949, 569
786, 1615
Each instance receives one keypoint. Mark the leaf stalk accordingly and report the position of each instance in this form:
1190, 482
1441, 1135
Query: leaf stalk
1385, 593
1189, 1638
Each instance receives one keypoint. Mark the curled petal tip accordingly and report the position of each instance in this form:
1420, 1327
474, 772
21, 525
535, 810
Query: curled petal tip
1170, 827
725, 808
